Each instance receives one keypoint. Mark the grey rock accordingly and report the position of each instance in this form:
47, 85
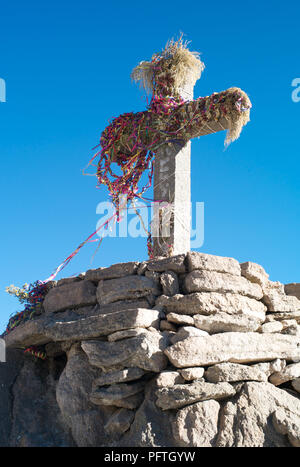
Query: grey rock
168, 379
198, 260
189, 422
155, 276
254, 273
151, 426
222, 322
293, 329
271, 327
131, 402
211, 281
190, 374
72, 393
289, 373
180, 319
112, 272
48, 328
292, 315
125, 334
233, 372
187, 331
113, 394
120, 421
67, 280
245, 422
166, 326
33, 404
287, 323
296, 384
169, 283
123, 305
208, 303
181, 395
144, 351
111, 377
173, 263
270, 367
125, 288
9, 371
293, 289
287, 423
72, 295
277, 302
142, 268
236, 347
54, 349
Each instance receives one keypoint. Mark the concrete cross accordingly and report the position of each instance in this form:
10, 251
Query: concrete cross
165, 129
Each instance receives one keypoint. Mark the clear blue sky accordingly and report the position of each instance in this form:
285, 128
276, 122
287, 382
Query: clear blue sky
67, 69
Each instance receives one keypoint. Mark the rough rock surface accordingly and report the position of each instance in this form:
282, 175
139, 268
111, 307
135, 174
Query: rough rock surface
125, 288
211, 281
207, 303
222, 322
246, 421
112, 272
293, 289
196, 260
289, 373
49, 328
232, 372
144, 351
72, 295
189, 422
169, 283
189, 374
181, 395
237, 347
191, 350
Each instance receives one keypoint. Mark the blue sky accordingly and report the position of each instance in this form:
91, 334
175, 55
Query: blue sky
67, 70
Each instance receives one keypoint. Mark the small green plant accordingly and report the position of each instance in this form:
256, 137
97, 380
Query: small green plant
31, 296
21, 293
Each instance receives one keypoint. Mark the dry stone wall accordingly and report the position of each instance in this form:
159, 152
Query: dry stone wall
191, 350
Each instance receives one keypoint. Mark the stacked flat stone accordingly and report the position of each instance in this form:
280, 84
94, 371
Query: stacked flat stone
178, 342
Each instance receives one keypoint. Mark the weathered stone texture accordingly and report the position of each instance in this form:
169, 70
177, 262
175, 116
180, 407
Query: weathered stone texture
211, 281
125, 288
188, 426
75, 294
236, 347
112, 272
198, 260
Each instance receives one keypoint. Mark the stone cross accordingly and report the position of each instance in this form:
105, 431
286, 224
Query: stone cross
165, 129
171, 223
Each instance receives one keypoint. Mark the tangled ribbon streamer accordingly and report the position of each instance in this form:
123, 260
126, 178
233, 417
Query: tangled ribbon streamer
35, 352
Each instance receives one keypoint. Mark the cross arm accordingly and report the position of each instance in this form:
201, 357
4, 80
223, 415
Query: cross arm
226, 110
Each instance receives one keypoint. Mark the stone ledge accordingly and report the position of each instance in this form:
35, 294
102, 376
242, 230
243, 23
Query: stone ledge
47, 328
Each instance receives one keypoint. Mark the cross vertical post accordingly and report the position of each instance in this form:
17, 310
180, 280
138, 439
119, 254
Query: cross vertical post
170, 227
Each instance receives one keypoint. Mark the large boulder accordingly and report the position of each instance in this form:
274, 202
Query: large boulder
247, 421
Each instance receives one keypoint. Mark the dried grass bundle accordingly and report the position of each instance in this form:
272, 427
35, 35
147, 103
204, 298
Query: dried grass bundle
175, 65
